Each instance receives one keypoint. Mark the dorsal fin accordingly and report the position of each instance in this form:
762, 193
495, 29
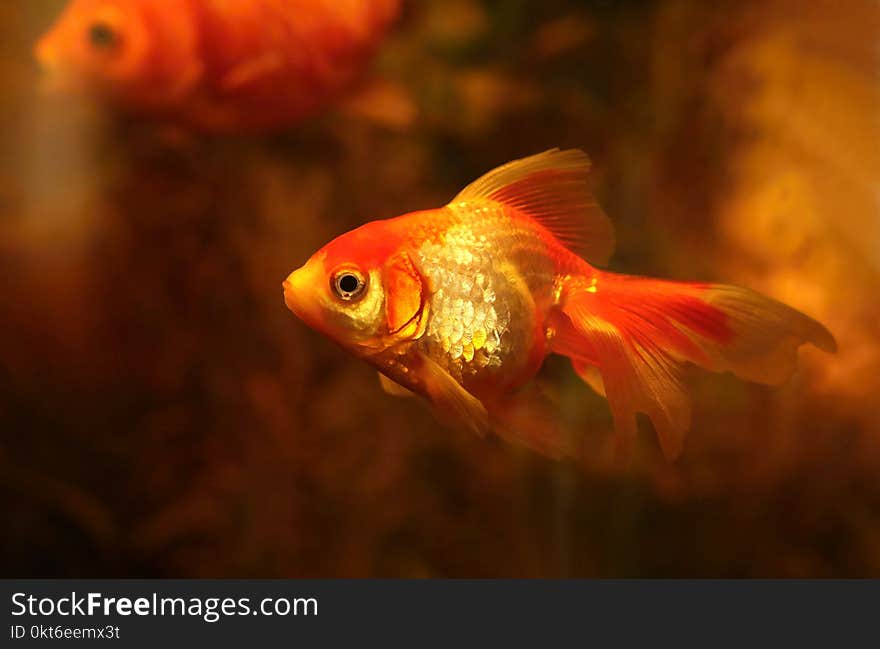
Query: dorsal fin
551, 187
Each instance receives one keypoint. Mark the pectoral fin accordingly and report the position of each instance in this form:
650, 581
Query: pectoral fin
252, 71
393, 387
453, 403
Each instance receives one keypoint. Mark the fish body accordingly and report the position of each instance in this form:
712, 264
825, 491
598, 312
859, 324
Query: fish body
217, 65
462, 304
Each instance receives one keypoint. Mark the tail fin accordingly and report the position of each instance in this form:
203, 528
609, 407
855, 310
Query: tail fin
641, 332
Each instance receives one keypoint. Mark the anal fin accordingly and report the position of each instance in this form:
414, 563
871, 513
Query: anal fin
530, 418
590, 375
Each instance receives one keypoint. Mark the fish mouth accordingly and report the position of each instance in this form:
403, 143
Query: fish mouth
56, 77
290, 300
300, 292
46, 53
289, 292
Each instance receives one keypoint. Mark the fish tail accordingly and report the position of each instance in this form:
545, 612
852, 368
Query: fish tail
631, 337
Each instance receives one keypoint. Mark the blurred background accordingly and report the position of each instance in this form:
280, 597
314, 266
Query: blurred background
162, 414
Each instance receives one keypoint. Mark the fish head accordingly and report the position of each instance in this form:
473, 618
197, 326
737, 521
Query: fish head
134, 50
361, 290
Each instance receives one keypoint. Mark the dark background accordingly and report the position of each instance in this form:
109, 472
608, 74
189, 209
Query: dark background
163, 414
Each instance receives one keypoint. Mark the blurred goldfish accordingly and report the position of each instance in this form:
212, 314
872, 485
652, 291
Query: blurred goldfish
461, 305
231, 66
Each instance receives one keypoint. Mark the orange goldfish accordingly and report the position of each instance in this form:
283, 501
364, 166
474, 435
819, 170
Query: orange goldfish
462, 304
224, 66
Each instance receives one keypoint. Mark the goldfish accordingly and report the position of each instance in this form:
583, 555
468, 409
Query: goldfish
461, 305
218, 66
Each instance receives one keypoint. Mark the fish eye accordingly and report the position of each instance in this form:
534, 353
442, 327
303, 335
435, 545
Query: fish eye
348, 284
103, 36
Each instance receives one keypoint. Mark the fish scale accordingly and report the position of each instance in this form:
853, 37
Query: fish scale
481, 303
